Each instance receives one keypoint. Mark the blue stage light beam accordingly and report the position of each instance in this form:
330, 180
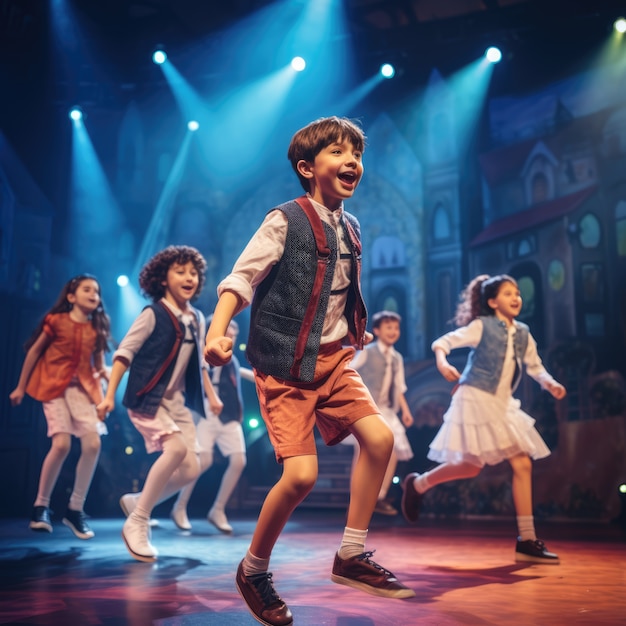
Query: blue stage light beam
606, 75
95, 217
190, 102
469, 87
158, 230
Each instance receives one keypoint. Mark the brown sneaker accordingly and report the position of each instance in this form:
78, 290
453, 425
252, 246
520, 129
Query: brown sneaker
411, 499
385, 508
264, 603
362, 573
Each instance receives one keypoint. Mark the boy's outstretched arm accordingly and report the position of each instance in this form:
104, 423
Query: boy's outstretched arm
218, 348
118, 369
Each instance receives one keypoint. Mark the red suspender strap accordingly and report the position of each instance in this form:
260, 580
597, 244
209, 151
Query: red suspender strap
323, 254
170, 356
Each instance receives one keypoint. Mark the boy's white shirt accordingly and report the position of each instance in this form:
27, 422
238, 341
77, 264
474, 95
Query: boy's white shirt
266, 248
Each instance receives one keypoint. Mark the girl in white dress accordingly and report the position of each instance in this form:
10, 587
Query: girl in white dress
484, 423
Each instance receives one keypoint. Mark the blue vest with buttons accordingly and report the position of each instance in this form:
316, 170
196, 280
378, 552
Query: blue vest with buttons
484, 363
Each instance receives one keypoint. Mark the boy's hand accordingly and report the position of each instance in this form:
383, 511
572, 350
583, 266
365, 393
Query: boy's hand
367, 338
218, 351
556, 389
216, 407
104, 408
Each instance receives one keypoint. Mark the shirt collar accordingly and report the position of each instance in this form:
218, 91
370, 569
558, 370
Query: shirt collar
321, 208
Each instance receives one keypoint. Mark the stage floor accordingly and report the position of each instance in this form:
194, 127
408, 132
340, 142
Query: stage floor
463, 573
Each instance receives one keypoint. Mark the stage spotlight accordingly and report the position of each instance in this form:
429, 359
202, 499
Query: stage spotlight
159, 57
387, 70
193, 126
122, 280
298, 64
76, 114
620, 25
493, 54
253, 423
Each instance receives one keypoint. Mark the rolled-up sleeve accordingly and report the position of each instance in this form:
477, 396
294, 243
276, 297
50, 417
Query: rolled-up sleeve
136, 336
263, 251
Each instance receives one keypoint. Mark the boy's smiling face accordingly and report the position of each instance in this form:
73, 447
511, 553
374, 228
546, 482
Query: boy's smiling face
334, 174
388, 331
181, 284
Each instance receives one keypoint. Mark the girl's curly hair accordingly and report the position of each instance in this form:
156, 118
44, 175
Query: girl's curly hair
154, 273
474, 299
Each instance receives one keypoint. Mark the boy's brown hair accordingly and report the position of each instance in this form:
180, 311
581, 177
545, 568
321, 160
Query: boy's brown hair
309, 141
382, 316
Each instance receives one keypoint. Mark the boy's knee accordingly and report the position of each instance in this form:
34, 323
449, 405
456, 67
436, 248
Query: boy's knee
303, 482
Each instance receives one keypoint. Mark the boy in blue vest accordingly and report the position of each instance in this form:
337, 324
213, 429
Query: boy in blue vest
167, 377
300, 273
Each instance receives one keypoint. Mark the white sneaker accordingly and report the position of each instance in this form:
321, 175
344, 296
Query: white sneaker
220, 521
179, 517
136, 535
128, 502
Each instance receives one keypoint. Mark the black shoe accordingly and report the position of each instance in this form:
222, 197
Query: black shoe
264, 603
534, 551
411, 499
40, 519
76, 521
362, 573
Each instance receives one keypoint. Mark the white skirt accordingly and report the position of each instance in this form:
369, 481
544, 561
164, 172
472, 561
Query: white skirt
484, 429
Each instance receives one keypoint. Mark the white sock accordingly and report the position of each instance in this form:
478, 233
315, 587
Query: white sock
526, 527
352, 543
254, 564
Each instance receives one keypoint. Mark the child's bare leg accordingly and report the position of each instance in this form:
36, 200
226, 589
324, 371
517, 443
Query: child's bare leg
445, 473
51, 467
297, 480
389, 474
160, 474
376, 444
522, 484
352, 565
90, 446
522, 496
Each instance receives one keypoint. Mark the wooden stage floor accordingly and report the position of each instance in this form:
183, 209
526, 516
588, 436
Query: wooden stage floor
463, 573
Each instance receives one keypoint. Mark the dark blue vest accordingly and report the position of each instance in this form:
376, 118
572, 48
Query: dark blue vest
153, 365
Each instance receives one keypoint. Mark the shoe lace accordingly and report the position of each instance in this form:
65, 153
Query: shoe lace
263, 584
365, 557
540, 545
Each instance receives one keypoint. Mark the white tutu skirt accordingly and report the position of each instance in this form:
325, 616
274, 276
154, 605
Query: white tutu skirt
484, 429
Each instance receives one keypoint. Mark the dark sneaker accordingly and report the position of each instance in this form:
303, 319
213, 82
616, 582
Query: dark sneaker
362, 573
76, 521
385, 508
264, 603
40, 519
534, 552
411, 499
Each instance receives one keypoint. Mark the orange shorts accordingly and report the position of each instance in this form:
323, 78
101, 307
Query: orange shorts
334, 401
